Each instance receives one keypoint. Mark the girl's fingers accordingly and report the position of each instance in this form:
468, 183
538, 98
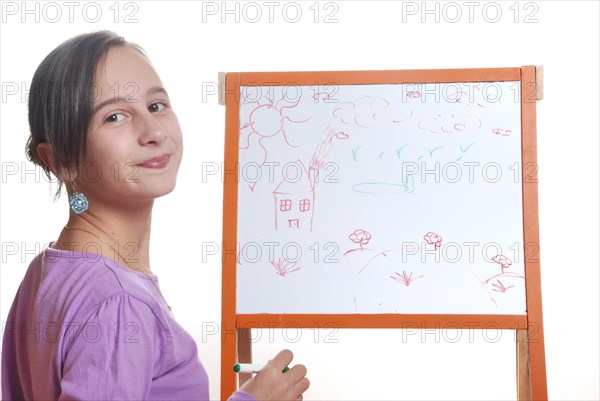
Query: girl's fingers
302, 385
281, 360
296, 373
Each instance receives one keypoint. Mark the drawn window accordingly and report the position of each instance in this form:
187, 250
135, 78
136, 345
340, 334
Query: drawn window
285, 205
304, 205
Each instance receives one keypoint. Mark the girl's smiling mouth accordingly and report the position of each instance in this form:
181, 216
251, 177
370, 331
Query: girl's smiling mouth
156, 162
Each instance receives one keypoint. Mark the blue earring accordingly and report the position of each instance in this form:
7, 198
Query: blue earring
78, 201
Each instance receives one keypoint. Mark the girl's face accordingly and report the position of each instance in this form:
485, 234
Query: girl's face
134, 142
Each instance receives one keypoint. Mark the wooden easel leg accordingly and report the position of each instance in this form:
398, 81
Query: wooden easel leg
523, 377
244, 352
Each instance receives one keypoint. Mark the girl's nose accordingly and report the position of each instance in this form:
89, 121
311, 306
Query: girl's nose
151, 131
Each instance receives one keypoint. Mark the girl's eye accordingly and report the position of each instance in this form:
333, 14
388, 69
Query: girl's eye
158, 106
115, 118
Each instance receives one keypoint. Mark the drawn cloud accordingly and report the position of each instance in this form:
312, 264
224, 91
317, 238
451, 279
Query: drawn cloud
475, 96
450, 123
368, 111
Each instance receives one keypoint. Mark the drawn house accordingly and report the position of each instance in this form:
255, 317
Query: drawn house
295, 196
294, 200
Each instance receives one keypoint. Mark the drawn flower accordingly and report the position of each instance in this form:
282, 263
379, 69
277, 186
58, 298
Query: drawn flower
500, 287
503, 261
360, 237
433, 239
284, 266
405, 279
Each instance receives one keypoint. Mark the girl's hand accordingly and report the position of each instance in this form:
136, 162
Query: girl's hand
271, 384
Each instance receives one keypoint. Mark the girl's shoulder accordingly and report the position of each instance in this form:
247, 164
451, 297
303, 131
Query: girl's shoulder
78, 283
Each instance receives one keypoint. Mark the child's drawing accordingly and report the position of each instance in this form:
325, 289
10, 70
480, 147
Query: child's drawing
503, 261
360, 237
450, 123
369, 111
294, 200
360, 256
502, 132
499, 287
433, 239
504, 283
475, 96
266, 121
324, 147
430, 287
385, 188
405, 279
371, 183
284, 266
295, 196
292, 271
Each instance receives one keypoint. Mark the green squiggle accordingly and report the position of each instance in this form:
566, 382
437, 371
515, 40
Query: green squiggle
354, 151
399, 150
385, 188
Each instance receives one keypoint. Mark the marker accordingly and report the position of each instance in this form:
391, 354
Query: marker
252, 368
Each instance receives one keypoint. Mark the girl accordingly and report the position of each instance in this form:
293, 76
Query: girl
89, 320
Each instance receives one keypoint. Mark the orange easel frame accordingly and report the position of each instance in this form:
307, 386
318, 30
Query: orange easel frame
531, 361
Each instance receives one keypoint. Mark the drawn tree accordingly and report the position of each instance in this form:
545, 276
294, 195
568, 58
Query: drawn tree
360, 237
433, 239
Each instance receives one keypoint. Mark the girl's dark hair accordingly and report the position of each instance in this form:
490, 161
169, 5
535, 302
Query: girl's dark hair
61, 99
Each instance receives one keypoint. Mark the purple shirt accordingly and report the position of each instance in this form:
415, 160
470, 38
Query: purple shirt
83, 327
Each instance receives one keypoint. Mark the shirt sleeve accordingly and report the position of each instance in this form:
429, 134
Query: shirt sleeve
115, 353
241, 396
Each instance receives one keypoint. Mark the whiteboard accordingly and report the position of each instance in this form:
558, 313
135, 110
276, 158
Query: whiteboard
388, 198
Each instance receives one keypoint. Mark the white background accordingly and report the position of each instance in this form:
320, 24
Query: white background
188, 47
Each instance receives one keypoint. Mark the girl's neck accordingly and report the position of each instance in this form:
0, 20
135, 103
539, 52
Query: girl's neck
120, 235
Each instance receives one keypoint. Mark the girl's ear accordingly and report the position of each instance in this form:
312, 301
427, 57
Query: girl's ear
46, 155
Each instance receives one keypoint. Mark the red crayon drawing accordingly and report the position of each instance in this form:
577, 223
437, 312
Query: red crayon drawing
450, 123
503, 261
294, 200
413, 94
368, 111
473, 95
360, 237
324, 147
267, 121
500, 131
295, 196
499, 287
405, 279
341, 135
433, 239
284, 267
321, 96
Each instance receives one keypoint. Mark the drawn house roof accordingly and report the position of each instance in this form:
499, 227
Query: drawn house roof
288, 185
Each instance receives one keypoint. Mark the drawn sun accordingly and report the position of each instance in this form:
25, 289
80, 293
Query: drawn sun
267, 121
